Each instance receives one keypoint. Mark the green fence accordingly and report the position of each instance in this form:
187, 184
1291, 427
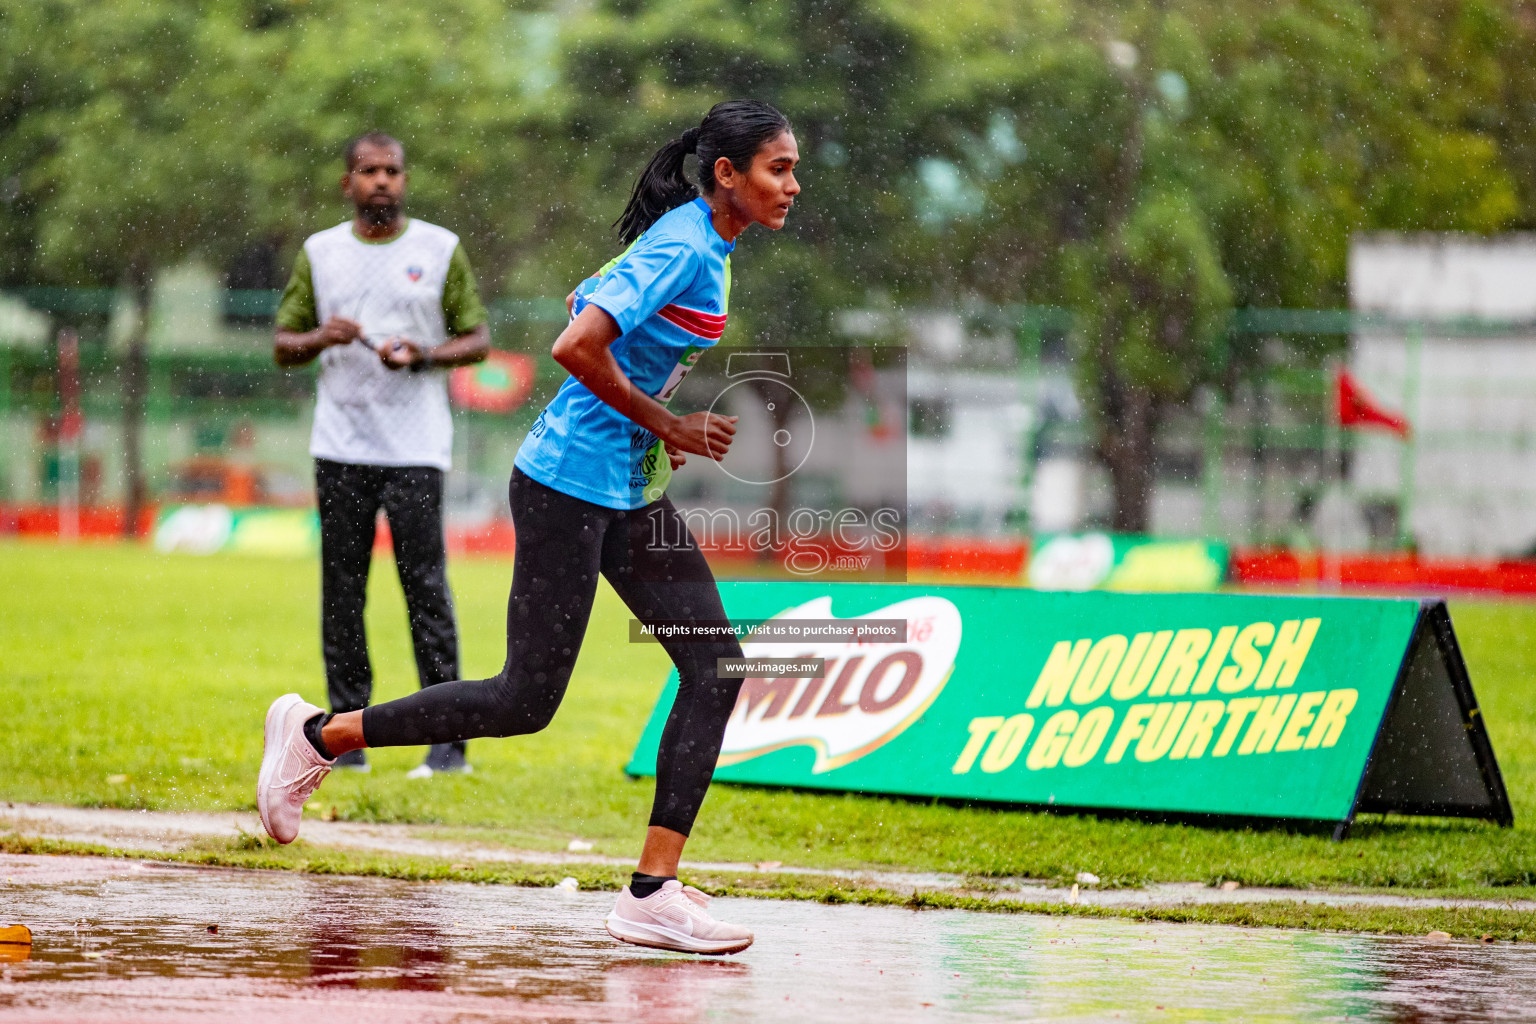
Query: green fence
1258, 457
1254, 458
222, 399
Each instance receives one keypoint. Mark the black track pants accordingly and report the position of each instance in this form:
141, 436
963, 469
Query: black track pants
350, 497
563, 544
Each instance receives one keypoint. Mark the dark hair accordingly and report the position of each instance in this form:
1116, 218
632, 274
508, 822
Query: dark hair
735, 129
371, 139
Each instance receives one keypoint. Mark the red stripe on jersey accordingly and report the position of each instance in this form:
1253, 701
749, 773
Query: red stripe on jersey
705, 325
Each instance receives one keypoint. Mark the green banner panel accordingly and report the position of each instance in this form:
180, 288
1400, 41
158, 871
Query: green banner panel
209, 529
1194, 704
1122, 561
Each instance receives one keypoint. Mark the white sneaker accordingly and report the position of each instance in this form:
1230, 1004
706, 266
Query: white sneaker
674, 918
442, 759
291, 769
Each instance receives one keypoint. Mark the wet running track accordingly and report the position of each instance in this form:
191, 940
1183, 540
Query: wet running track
123, 941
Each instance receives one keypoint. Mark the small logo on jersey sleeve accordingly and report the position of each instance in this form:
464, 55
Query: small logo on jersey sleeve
414, 273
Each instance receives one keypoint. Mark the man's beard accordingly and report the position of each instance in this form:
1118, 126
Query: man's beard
379, 215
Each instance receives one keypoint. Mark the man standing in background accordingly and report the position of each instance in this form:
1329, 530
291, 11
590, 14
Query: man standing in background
386, 303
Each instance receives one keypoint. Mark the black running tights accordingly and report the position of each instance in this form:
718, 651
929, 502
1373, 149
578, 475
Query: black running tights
563, 544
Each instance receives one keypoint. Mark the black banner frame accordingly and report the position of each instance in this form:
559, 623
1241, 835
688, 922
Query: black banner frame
1429, 735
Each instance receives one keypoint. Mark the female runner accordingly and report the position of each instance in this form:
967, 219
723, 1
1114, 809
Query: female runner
586, 498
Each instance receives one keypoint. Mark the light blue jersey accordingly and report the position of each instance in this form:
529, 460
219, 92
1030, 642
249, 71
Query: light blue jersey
668, 293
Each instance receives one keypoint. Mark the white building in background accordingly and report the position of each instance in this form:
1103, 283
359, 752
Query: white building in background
972, 416
966, 432
1444, 276
993, 444
1466, 382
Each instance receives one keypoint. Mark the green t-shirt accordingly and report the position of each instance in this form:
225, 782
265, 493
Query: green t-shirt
462, 309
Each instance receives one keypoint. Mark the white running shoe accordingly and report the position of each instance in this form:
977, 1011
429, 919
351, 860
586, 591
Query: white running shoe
674, 917
291, 768
442, 759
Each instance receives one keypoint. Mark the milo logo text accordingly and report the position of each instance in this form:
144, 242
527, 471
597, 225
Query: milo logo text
870, 694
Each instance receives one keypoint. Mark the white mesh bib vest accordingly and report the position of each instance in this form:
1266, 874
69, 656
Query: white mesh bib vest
366, 413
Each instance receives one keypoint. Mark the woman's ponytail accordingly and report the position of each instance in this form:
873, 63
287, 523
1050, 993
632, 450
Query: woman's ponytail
735, 129
662, 186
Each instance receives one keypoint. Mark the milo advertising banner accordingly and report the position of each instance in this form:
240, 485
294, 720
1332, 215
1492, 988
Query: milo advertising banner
1226, 705
1121, 561
210, 529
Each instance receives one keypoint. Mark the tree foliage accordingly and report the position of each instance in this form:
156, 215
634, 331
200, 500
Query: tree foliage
1148, 164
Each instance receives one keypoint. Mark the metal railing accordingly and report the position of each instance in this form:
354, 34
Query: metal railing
1252, 459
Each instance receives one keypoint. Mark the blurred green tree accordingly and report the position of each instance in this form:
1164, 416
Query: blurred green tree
1148, 164
149, 133
124, 174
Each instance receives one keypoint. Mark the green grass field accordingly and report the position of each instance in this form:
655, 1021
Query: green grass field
136, 680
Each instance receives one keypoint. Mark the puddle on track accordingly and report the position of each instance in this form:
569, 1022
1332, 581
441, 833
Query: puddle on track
123, 941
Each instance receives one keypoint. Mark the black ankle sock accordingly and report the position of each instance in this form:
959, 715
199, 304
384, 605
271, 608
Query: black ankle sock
641, 886
312, 733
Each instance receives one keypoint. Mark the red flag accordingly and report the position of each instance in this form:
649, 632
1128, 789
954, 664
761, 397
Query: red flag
1356, 407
